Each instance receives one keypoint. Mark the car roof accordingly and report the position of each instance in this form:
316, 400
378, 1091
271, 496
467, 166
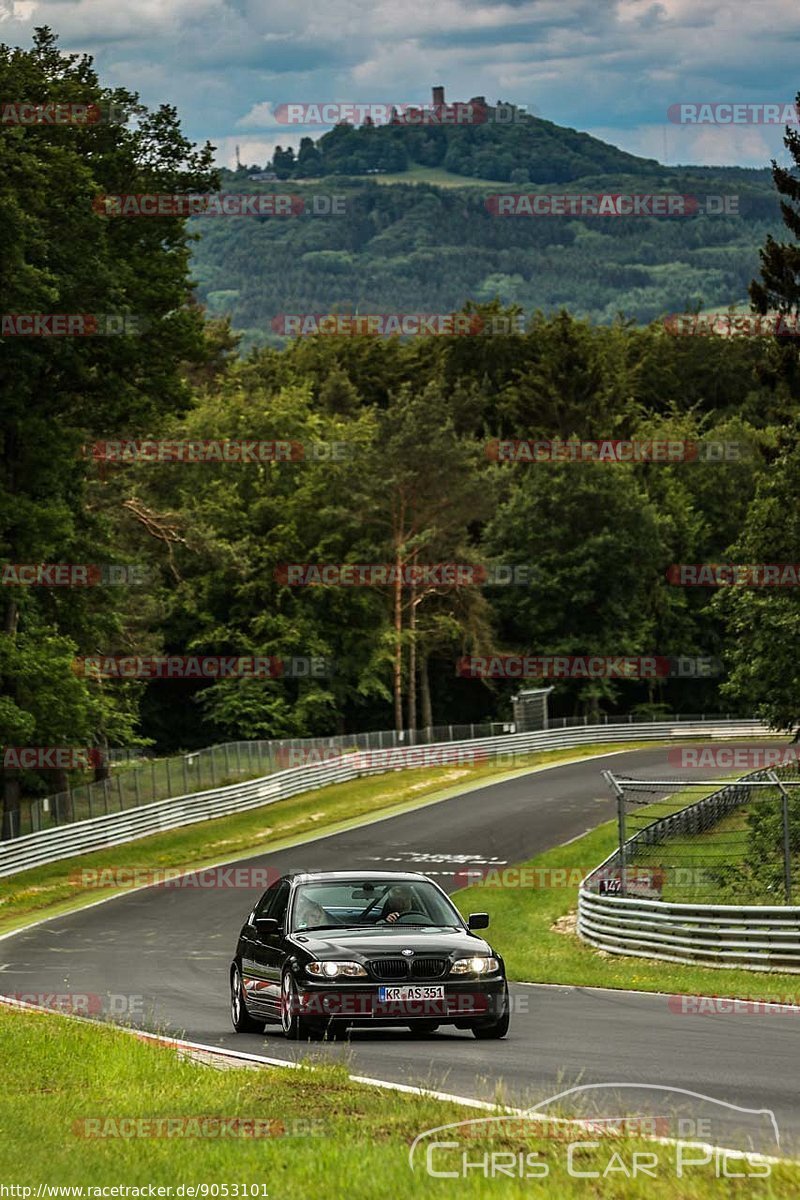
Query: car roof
357, 876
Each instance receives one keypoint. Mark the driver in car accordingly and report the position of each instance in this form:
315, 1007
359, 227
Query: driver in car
398, 901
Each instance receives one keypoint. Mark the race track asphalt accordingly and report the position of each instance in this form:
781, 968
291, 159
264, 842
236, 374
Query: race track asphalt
160, 958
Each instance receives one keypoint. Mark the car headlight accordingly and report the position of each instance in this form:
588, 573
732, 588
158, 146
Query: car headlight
331, 970
485, 965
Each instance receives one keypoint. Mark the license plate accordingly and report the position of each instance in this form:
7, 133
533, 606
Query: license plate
410, 992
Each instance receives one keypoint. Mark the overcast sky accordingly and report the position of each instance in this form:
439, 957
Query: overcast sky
610, 67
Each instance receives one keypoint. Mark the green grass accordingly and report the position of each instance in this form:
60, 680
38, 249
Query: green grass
415, 174
720, 849
533, 928
52, 889
442, 178
347, 1139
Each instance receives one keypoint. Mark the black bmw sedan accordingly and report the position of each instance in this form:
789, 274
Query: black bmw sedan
331, 949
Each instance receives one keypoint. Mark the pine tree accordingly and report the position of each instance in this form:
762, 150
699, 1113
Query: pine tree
779, 289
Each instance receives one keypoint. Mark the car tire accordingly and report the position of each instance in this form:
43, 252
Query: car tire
240, 1018
498, 1028
295, 1027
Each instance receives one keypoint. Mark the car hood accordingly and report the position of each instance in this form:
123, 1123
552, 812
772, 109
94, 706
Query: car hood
366, 943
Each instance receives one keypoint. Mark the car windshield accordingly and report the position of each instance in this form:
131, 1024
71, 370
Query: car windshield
382, 902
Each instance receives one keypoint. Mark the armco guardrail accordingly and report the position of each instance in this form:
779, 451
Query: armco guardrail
116, 828
147, 779
753, 937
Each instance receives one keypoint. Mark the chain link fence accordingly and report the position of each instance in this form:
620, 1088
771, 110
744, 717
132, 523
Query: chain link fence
710, 842
137, 778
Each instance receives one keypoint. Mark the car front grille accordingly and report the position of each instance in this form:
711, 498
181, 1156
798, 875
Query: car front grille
389, 968
411, 968
428, 968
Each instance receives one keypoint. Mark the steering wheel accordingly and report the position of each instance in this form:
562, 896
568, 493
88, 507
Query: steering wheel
411, 912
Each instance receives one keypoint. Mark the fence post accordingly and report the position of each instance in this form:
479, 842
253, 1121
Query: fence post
611, 780
185, 775
787, 857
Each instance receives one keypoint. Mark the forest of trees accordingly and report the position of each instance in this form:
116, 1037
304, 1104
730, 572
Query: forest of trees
504, 144
423, 248
415, 483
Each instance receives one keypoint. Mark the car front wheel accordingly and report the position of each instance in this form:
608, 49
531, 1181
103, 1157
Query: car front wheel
295, 1027
240, 1018
498, 1028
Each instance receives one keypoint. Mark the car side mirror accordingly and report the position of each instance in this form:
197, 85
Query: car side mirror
478, 921
266, 926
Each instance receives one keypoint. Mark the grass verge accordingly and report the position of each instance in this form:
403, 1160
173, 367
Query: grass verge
533, 927
328, 1135
57, 888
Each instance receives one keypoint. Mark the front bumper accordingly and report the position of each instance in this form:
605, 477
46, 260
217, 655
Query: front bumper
464, 1001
